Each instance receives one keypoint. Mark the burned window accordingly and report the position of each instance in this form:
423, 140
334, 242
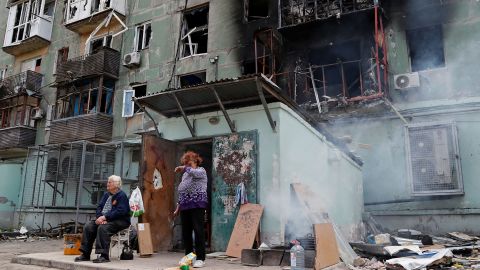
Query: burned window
426, 48
85, 97
140, 91
192, 79
98, 43
143, 34
433, 160
255, 9
195, 31
100, 5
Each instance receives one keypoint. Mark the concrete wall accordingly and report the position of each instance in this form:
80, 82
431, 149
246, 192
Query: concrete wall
286, 157
10, 175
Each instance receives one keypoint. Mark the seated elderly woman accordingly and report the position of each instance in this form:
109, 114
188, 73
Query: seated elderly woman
112, 216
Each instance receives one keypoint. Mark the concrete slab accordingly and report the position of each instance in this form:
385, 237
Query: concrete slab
157, 261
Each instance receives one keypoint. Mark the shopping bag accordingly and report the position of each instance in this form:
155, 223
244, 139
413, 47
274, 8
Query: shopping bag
136, 203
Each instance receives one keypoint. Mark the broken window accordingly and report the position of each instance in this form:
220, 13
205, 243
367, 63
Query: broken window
426, 48
143, 34
129, 107
49, 8
86, 98
192, 79
195, 31
23, 15
98, 43
255, 9
100, 5
433, 160
32, 64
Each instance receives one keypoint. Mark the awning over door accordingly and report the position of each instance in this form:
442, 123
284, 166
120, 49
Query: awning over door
219, 95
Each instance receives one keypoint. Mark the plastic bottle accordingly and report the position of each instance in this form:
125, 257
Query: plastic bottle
297, 256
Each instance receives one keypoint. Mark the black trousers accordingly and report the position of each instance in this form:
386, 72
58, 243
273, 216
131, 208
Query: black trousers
102, 233
193, 220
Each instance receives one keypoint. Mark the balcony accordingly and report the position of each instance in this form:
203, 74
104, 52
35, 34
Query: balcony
83, 16
28, 27
295, 12
95, 127
104, 62
28, 82
17, 137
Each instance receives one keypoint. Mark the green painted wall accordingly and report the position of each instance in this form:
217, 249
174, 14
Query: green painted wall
10, 181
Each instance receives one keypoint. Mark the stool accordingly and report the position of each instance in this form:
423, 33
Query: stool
117, 240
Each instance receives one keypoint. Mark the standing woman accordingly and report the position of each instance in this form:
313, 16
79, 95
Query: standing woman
192, 202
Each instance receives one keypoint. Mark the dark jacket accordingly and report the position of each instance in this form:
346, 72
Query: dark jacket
120, 207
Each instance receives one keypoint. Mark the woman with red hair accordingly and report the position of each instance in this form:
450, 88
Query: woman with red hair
192, 202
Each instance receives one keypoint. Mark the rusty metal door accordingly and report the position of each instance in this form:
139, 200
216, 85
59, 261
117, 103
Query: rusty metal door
159, 157
234, 162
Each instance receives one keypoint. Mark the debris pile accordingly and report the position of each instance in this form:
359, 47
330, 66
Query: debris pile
40, 234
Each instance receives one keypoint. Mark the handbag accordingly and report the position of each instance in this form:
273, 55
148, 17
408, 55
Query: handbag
127, 253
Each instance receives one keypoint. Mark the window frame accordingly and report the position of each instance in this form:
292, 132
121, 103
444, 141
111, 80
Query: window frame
408, 34
452, 128
137, 41
104, 42
131, 105
186, 33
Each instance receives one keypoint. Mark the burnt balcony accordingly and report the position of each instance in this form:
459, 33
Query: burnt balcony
96, 127
17, 137
83, 16
106, 62
28, 82
295, 12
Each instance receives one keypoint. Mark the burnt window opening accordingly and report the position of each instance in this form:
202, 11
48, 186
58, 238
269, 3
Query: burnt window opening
140, 91
85, 97
99, 5
426, 48
195, 31
143, 34
255, 9
98, 43
248, 67
192, 79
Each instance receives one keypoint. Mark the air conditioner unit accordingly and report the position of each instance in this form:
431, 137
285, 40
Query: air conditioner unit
131, 60
407, 80
36, 113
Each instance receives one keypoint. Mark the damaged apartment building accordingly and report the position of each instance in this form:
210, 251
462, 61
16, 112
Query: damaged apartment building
371, 104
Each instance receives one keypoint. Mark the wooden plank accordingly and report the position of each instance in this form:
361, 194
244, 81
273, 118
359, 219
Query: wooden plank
145, 239
316, 214
159, 154
325, 246
245, 229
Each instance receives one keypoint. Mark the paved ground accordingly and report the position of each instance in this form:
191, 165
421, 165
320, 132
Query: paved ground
48, 254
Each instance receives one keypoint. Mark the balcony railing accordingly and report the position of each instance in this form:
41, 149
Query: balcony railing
20, 83
295, 12
17, 137
104, 62
95, 127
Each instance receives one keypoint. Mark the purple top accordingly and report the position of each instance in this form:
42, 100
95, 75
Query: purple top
192, 191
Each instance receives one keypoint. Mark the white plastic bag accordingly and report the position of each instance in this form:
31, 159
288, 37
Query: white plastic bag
136, 203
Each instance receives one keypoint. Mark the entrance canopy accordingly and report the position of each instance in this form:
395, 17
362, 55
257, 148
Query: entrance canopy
219, 95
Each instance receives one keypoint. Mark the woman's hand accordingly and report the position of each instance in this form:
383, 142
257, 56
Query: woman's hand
179, 169
176, 212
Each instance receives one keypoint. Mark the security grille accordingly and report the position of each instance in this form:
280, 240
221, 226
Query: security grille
433, 160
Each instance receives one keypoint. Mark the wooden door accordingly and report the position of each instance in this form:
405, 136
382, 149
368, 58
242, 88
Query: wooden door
234, 162
159, 154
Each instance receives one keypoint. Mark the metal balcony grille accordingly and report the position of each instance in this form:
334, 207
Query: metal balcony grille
20, 83
433, 156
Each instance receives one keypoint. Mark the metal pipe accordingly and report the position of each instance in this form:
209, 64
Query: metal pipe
134, 99
80, 184
377, 61
395, 110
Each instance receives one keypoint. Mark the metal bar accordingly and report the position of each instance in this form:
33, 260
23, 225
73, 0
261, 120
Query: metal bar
54, 198
385, 56
227, 117
80, 184
256, 53
315, 90
376, 50
360, 77
134, 99
35, 181
122, 148
395, 110
344, 86
273, 124
190, 127
324, 82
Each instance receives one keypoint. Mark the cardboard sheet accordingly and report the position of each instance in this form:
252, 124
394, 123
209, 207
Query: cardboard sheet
245, 229
325, 246
144, 239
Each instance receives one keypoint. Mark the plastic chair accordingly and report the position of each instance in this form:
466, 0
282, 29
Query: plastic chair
117, 240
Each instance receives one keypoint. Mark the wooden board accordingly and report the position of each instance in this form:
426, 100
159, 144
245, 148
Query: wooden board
245, 229
160, 155
317, 214
144, 239
325, 246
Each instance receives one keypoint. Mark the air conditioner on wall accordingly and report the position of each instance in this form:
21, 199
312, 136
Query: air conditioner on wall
131, 60
37, 113
406, 80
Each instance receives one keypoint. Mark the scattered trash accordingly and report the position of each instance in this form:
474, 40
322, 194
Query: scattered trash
392, 250
442, 256
23, 230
